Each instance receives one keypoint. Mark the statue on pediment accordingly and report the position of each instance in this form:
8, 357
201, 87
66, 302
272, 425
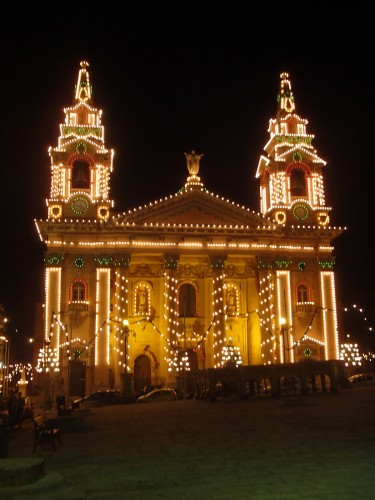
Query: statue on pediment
193, 162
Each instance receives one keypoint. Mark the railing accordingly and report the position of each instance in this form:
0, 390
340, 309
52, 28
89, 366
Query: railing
305, 307
78, 306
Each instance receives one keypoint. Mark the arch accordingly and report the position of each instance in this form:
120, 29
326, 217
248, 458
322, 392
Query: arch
187, 300
300, 165
298, 172
142, 372
81, 156
78, 290
303, 292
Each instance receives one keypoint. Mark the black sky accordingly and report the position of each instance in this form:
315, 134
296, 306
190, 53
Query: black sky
175, 76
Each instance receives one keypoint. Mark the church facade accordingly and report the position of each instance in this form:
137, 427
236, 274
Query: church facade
191, 282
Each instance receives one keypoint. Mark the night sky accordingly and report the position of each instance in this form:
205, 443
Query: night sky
177, 76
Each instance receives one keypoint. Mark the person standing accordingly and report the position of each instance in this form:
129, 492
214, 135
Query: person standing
20, 409
4, 431
12, 409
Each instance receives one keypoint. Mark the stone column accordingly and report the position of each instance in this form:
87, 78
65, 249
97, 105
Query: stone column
170, 296
218, 263
120, 312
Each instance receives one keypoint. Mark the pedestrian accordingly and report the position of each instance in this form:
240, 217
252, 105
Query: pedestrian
12, 407
4, 431
20, 409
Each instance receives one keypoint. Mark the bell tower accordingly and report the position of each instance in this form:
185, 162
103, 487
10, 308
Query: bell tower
80, 164
290, 171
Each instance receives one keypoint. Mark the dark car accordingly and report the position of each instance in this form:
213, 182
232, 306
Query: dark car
98, 398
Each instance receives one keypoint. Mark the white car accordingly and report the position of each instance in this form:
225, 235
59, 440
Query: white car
361, 379
160, 394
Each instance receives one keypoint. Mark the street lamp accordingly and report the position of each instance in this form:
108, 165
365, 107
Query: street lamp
126, 377
43, 359
4, 352
125, 335
4, 364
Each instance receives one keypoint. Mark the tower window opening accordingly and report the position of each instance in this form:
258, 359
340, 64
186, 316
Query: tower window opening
297, 182
81, 175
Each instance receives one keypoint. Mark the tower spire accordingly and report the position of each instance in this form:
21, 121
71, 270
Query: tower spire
83, 91
80, 163
285, 98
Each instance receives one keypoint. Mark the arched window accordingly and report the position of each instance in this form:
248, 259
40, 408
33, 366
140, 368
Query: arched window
297, 182
187, 301
303, 293
78, 296
78, 291
80, 175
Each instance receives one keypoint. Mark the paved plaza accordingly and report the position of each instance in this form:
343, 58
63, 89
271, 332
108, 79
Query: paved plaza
318, 446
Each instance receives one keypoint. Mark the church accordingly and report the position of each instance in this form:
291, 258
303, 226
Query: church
190, 283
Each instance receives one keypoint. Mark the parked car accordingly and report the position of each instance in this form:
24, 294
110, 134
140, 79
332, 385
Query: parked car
98, 398
362, 379
160, 394
149, 388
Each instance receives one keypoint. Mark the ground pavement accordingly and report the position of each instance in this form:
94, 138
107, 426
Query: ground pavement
319, 446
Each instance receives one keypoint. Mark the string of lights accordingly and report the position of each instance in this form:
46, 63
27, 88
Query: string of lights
349, 351
361, 312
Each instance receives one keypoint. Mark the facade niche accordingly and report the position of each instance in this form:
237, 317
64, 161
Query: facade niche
187, 301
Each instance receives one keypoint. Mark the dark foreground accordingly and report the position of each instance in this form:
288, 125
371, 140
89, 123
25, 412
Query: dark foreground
319, 446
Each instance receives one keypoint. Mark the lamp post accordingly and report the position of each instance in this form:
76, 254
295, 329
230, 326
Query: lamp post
45, 343
5, 349
126, 377
4, 364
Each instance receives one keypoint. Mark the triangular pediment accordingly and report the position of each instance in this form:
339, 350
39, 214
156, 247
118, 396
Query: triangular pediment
307, 154
194, 207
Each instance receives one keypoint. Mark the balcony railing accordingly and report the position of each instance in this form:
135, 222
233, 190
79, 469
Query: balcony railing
305, 307
78, 306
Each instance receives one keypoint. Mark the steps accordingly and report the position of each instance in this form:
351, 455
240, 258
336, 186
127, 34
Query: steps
20, 471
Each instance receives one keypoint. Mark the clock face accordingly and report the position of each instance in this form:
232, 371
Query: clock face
80, 206
300, 212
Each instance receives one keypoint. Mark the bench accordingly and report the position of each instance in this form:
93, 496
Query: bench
45, 432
